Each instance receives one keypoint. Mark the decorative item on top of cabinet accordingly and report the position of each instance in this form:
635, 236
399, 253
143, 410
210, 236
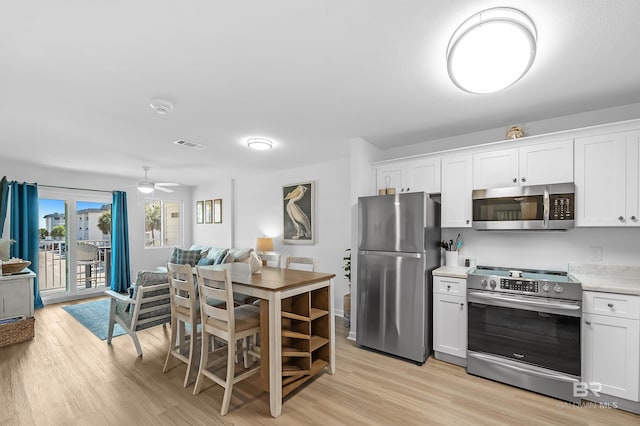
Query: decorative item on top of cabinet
421, 174
611, 346
535, 164
607, 179
515, 132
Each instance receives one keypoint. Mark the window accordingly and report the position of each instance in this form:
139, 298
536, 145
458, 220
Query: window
162, 224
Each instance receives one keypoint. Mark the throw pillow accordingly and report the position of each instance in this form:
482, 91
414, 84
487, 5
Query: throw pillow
174, 255
185, 257
228, 258
240, 254
205, 261
216, 253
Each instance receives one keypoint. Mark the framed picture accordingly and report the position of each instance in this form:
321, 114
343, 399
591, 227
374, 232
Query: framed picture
199, 211
208, 209
217, 210
298, 213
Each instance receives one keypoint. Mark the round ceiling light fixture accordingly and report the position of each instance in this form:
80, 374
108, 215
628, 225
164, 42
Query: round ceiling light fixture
491, 50
161, 106
260, 144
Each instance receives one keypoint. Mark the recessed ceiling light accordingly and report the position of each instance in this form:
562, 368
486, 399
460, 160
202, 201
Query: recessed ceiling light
491, 50
259, 144
161, 106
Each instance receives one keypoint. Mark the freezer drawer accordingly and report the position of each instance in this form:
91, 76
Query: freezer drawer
393, 309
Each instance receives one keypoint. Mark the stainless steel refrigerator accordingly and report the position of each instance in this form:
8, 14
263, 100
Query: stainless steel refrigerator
398, 248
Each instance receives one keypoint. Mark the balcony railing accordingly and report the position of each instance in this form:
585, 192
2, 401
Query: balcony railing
93, 266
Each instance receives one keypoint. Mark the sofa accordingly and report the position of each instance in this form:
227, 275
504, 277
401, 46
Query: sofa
202, 255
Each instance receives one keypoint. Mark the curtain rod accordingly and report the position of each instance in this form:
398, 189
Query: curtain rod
77, 189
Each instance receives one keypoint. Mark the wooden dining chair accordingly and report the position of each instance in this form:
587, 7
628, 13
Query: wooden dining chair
223, 321
185, 311
302, 263
271, 259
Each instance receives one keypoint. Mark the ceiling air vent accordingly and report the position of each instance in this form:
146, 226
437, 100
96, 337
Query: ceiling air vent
190, 144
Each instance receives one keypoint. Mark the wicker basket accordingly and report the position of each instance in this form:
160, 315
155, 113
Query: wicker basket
13, 267
16, 332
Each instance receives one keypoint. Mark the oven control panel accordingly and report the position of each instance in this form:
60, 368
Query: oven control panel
519, 285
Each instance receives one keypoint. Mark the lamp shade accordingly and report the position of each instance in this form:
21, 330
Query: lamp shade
264, 244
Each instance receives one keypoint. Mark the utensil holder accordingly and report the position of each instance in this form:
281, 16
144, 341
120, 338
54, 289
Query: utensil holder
451, 258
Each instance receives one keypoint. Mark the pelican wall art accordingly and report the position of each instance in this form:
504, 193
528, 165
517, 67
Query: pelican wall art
298, 213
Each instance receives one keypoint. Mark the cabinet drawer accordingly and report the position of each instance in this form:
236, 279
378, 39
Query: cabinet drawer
611, 304
446, 285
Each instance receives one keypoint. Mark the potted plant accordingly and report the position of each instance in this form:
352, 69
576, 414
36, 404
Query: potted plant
347, 297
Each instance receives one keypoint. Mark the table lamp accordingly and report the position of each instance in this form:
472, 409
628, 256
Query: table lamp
264, 244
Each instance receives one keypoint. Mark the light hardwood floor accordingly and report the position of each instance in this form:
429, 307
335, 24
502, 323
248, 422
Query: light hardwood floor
68, 376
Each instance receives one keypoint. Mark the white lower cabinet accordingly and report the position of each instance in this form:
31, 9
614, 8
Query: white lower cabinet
611, 344
450, 319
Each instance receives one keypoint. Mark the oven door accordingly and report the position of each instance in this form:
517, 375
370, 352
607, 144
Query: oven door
534, 330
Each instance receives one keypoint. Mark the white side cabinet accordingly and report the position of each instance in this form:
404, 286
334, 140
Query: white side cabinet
457, 182
607, 179
420, 174
16, 296
535, 164
611, 343
450, 319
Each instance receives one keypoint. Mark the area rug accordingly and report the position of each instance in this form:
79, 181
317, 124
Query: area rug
94, 316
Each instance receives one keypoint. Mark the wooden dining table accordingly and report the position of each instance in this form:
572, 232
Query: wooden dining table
273, 286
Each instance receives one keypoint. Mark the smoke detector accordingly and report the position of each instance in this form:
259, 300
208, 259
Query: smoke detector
161, 106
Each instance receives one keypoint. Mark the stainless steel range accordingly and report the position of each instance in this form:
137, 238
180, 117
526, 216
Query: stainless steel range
524, 329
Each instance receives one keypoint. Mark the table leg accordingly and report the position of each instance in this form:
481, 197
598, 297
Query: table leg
275, 354
332, 332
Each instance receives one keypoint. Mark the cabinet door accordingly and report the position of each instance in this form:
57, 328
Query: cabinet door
423, 175
15, 298
495, 169
546, 163
610, 354
390, 176
633, 179
457, 181
450, 325
600, 180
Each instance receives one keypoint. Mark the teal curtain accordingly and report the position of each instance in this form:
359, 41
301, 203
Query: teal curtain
120, 269
24, 228
4, 189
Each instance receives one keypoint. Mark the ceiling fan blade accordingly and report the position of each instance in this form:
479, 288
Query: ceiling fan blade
167, 184
163, 189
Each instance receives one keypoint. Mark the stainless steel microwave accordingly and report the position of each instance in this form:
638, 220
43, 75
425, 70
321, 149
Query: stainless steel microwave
543, 207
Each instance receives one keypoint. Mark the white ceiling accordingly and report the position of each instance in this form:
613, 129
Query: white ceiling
77, 77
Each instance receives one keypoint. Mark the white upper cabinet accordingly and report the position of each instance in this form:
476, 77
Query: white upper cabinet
457, 182
536, 164
607, 182
415, 175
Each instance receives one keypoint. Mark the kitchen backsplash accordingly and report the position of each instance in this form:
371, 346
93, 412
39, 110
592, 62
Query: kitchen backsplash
552, 250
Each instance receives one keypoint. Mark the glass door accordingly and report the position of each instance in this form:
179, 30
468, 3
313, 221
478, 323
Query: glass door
75, 244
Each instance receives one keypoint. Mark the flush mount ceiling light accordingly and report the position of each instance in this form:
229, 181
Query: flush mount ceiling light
161, 106
491, 50
259, 144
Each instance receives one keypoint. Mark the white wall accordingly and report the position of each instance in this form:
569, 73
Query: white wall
258, 212
141, 258
214, 234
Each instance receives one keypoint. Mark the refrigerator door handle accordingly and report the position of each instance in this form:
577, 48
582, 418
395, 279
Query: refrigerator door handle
392, 253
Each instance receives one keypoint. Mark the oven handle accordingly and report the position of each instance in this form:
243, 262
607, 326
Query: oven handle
544, 304
523, 368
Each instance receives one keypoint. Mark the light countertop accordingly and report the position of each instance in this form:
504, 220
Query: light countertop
607, 278
453, 271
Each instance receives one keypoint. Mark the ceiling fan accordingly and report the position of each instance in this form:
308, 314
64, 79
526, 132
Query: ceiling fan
147, 186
